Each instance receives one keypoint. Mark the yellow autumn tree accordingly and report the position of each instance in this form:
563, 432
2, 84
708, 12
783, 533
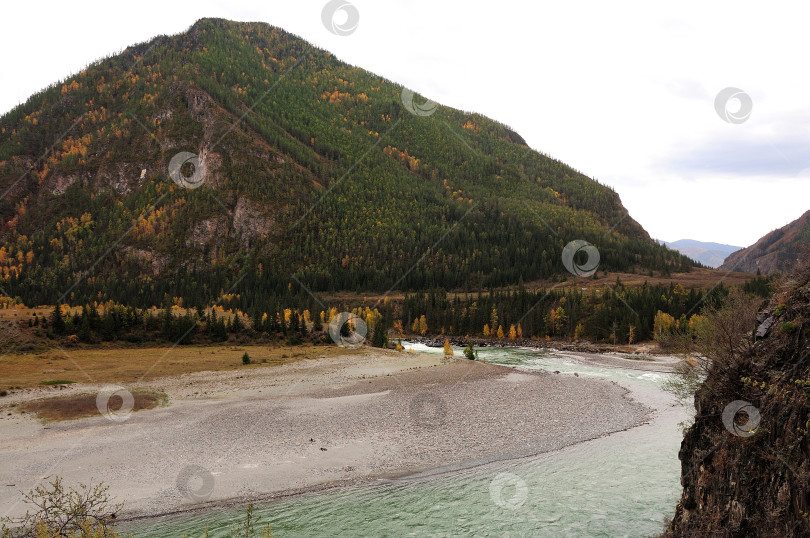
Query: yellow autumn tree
556, 320
448, 349
519, 331
487, 331
662, 326
512, 332
423, 326
500, 331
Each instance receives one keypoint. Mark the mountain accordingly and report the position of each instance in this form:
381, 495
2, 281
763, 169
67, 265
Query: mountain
778, 251
238, 160
745, 458
709, 254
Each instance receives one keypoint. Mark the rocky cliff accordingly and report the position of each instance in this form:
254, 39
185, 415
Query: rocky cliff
745, 468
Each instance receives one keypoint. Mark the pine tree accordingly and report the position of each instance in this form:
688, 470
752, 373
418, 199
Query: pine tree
379, 338
212, 321
57, 321
295, 322
85, 335
168, 319
220, 330
95, 319
108, 326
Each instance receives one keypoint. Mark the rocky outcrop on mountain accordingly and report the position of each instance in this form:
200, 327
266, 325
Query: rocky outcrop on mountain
745, 468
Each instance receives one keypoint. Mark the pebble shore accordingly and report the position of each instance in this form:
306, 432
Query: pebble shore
230, 436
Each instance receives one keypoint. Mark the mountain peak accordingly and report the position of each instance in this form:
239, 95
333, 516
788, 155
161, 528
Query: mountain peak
240, 151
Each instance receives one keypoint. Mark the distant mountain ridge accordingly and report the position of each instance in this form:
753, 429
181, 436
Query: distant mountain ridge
777, 251
708, 253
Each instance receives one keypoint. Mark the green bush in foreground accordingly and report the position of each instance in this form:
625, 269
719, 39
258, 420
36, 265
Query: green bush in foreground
246, 358
86, 513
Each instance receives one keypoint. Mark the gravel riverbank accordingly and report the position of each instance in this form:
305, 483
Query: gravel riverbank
268, 431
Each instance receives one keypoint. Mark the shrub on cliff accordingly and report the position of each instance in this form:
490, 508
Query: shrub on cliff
723, 335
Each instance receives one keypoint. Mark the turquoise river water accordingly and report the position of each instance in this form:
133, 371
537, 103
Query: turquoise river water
623, 484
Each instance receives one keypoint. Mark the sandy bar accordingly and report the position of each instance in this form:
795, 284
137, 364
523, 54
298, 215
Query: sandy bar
262, 432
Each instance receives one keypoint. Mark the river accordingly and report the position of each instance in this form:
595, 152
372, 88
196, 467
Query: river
623, 484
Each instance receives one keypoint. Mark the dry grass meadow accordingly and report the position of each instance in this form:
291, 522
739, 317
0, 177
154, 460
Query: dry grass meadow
107, 364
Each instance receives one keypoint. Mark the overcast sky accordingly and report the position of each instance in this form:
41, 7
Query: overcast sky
622, 91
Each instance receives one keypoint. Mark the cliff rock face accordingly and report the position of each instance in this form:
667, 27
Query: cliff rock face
745, 469
776, 252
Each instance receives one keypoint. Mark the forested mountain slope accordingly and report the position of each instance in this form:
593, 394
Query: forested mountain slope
777, 251
308, 170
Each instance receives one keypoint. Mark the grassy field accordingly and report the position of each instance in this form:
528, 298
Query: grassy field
106, 364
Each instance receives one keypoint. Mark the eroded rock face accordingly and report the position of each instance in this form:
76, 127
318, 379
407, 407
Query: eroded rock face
204, 232
250, 222
122, 177
61, 183
148, 258
740, 484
